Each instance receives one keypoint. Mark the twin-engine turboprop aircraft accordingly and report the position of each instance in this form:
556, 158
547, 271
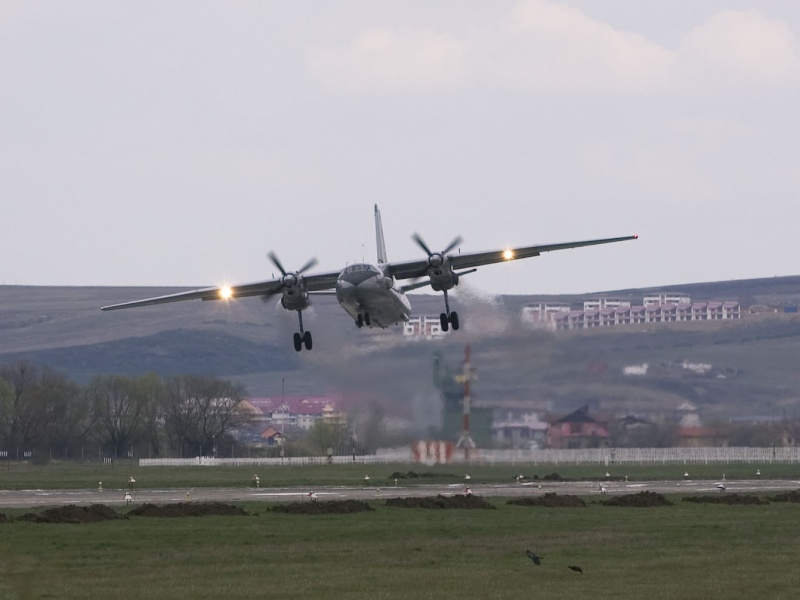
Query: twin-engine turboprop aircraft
369, 293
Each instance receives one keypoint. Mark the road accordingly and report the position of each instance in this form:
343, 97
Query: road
43, 498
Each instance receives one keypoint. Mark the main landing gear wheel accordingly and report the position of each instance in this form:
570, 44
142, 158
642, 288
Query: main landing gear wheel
446, 321
301, 340
366, 320
359, 321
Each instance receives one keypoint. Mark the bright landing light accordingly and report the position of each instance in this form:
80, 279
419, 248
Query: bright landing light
508, 254
225, 293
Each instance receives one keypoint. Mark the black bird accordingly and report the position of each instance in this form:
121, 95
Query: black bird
532, 555
575, 568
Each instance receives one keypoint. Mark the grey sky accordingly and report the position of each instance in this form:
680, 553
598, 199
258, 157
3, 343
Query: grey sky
161, 143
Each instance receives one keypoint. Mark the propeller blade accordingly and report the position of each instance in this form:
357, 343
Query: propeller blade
421, 244
276, 262
308, 265
452, 245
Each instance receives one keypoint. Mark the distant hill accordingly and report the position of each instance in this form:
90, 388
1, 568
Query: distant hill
250, 341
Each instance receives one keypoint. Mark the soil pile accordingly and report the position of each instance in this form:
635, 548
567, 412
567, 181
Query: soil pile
188, 509
554, 477
461, 501
726, 499
641, 500
793, 496
550, 500
94, 513
323, 508
3, 518
415, 475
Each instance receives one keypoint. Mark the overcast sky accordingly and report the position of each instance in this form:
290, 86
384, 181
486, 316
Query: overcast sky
176, 143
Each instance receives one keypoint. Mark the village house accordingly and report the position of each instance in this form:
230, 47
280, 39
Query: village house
578, 430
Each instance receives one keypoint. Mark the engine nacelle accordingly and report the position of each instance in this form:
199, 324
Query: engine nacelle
442, 278
294, 298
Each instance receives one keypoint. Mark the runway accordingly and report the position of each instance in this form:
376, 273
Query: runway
47, 498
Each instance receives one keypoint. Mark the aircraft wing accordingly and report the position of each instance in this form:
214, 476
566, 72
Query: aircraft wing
314, 283
417, 268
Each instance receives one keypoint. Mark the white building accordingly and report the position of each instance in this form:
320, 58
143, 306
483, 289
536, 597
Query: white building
542, 315
601, 303
666, 298
423, 327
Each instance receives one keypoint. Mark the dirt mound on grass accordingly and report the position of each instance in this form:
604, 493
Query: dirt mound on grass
554, 477
188, 509
94, 513
460, 501
3, 518
793, 496
323, 508
550, 500
641, 500
415, 475
726, 499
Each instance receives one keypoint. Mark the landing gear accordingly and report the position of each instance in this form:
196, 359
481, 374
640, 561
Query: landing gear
448, 318
363, 319
303, 338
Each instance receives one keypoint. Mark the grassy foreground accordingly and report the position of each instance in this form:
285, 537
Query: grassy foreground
681, 551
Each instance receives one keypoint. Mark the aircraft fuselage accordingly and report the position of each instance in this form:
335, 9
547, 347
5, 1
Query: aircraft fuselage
370, 297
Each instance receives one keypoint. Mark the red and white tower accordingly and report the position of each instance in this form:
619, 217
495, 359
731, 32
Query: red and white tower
466, 442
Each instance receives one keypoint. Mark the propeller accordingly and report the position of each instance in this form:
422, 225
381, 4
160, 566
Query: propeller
289, 279
435, 259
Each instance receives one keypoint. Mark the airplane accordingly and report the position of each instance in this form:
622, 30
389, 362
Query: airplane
369, 293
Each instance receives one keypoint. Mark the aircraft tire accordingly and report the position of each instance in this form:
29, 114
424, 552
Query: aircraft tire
366, 320
307, 340
359, 321
454, 320
444, 322
298, 342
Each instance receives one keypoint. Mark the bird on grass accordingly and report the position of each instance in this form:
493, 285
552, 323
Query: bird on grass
575, 568
532, 555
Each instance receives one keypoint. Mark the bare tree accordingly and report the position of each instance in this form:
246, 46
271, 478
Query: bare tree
153, 395
64, 410
199, 411
22, 423
6, 404
118, 409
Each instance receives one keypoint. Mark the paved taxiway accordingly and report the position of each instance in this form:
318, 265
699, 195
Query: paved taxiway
43, 498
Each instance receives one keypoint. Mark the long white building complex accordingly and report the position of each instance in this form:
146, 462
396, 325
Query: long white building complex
612, 312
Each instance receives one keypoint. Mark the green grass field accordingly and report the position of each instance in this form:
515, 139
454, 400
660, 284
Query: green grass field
680, 551
18, 475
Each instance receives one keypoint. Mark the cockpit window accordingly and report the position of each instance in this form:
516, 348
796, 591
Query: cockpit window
359, 268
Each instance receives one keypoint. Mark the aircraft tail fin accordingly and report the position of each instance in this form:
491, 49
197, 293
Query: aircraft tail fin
380, 243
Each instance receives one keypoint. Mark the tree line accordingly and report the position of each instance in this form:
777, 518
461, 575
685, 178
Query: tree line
43, 413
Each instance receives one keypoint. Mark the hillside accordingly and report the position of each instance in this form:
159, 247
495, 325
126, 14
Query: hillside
754, 360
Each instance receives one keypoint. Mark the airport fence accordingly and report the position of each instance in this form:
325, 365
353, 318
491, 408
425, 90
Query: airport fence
585, 456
